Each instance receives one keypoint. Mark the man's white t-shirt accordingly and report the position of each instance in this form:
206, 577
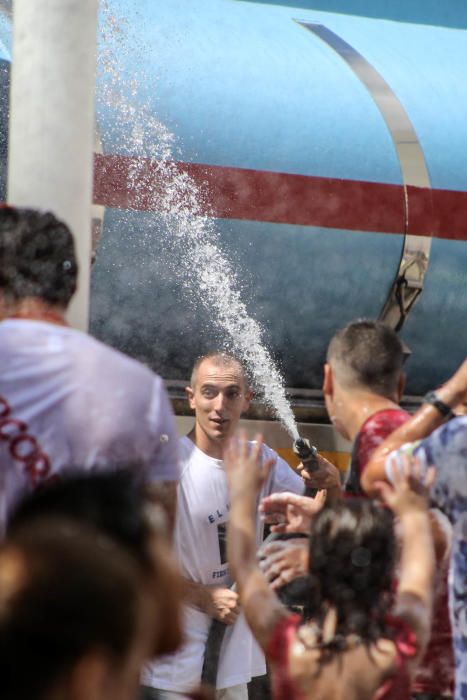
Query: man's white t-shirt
68, 400
200, 541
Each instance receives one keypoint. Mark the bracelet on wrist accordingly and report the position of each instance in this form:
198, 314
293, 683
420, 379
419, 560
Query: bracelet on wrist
433, 399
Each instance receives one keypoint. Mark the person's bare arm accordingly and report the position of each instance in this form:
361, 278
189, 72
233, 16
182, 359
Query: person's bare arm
408, 499
422, 423
246, 474
219, 603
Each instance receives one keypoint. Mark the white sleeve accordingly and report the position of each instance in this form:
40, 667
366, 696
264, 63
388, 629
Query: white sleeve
283, 477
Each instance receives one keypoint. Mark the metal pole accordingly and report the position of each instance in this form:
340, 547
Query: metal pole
50, 156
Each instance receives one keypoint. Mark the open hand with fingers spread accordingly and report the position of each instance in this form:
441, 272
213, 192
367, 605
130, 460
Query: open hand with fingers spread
287, 512
246, 472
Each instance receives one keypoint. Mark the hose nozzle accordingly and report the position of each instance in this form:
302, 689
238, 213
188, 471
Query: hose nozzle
308, 455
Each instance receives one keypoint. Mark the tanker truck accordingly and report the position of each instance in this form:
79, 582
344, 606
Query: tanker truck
325, 144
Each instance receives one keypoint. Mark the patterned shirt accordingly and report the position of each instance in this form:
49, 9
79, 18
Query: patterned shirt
370, 436
446, 449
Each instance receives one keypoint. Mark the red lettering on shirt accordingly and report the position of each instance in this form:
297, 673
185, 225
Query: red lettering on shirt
23, 447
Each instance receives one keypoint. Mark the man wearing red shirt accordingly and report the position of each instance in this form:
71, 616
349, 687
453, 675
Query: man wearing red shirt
363, 383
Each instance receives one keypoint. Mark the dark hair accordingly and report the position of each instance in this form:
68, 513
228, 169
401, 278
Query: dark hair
115, 504
37, 256
112, 502
368, 353
352, 554
223, 357
64, 592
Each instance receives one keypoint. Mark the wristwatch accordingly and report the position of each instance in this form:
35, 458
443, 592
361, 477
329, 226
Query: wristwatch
445, 410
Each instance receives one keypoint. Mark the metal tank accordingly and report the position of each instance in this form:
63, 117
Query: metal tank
328, 138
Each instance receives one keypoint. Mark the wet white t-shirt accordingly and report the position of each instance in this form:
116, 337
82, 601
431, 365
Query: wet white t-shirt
200, 540
68, 400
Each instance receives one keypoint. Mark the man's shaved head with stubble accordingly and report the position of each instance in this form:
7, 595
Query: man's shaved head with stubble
220, 358
367, 355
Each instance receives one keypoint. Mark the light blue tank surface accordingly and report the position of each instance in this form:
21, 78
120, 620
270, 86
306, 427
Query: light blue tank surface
246, 85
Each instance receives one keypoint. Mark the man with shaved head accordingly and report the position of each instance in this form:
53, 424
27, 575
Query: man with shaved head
363, 384
219, 393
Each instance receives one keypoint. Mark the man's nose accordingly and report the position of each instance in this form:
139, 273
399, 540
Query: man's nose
219, 402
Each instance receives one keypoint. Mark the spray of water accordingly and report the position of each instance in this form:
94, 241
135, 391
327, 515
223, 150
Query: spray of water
204, 267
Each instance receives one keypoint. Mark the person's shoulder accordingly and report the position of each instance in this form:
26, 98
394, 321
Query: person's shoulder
280, 463
268, 453
115, 359
386, 420
185, 447
189, 455
282, 476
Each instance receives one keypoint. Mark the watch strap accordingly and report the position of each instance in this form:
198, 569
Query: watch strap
443, 408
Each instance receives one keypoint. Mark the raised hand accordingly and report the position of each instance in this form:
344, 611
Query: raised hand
287, 512
245, 470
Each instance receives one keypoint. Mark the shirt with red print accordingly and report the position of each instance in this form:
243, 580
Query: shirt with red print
372, 433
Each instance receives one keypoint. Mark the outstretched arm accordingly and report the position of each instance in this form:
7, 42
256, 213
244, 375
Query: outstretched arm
287, 512
408, 499
246, 475
422, 423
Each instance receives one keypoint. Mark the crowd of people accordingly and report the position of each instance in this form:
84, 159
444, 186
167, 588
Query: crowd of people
136, 564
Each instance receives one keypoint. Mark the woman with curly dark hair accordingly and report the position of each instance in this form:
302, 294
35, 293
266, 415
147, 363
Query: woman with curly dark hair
351, 647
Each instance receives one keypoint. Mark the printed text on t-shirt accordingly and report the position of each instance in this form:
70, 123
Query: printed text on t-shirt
22, 447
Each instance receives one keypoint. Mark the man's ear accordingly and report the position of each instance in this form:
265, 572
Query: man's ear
400, 387
247, 399
328, 381
190, 394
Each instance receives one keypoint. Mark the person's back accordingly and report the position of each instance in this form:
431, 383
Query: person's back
66, 399
355, 674
359, 644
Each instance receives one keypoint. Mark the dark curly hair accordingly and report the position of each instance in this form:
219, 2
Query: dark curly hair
70, 591
37, 256
352, 554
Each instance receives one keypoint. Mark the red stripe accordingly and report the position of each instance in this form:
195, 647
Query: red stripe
282, 198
